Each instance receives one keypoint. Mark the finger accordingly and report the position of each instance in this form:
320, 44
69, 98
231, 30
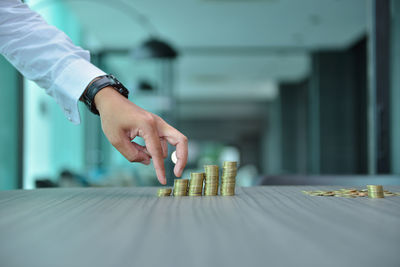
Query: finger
129, 150
153, 145
144, 150
181, 155
141, 148
164, 147
146, 162
175, 138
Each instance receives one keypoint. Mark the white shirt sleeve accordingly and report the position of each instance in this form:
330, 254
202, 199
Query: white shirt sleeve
45, 55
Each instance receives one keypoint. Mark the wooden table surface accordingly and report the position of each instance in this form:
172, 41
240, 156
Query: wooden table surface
260, 226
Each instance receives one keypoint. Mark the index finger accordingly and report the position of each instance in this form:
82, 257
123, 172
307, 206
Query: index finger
176, 138
181, 155
153, 145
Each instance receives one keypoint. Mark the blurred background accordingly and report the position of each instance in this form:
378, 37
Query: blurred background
298, 92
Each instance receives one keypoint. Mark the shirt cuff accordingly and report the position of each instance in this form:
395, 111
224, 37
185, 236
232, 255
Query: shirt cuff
70, 85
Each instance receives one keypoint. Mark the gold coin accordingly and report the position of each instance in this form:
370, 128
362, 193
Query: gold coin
181, 181
375, 187
166, 190
163, 192
375, 195
180, 187
230, 164
198, 175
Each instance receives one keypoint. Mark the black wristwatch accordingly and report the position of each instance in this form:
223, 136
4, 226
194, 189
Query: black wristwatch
97, 85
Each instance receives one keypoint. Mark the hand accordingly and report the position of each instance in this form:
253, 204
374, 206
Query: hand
122, 121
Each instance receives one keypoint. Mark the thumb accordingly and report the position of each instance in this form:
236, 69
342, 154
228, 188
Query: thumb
131, 150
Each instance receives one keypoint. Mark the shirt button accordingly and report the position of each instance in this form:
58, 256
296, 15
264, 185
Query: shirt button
69, 118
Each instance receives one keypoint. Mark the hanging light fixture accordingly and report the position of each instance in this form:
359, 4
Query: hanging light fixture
154, 48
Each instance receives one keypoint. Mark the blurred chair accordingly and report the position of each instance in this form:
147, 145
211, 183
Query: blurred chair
45, 183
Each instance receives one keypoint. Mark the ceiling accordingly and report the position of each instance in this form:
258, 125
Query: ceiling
305, 23
246, 46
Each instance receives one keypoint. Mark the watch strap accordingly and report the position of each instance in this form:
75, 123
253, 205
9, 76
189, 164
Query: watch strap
100, 83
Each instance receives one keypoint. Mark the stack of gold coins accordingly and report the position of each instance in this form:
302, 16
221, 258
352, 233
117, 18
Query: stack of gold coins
375, 191
196, 184
164, 192
228, 179
212, 180
180, 187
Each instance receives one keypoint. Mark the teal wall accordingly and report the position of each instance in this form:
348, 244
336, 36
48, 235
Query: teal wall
395, 87
9, 125
52, 143
271, 141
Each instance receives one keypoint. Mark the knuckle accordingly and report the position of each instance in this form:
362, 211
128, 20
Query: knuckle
149, 119
184, 139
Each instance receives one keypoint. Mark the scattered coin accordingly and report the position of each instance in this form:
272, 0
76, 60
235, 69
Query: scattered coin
372, 191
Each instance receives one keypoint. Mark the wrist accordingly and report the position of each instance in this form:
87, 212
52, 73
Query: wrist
105, 95
96, 92
81, 98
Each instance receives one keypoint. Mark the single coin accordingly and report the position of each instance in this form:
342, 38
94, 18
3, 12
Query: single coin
173, 157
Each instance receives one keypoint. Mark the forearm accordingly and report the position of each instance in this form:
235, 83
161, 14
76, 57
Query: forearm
38, 50
46, 55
